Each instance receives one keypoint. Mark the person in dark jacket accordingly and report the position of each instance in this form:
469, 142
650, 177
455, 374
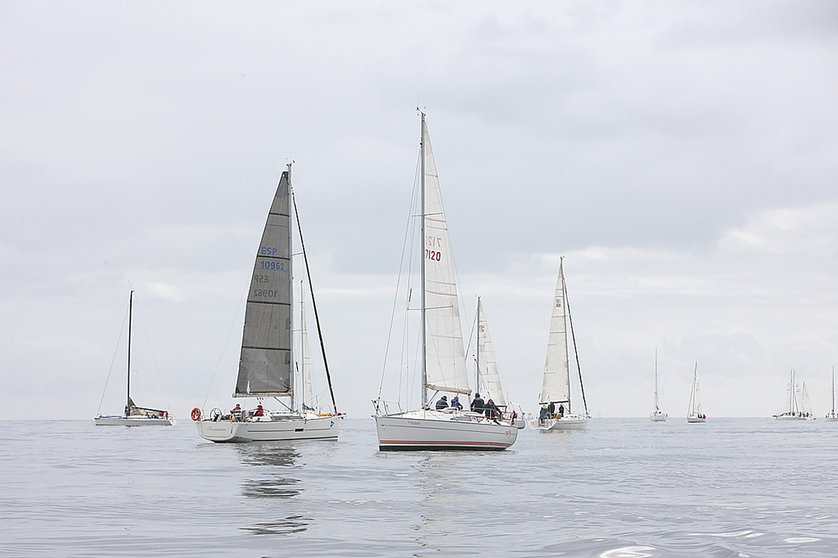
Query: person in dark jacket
492, 410
455, 403
442, 403
477, 404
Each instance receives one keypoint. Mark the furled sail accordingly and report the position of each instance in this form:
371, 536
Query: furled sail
444, 355
487, 366
265, 363
555, 386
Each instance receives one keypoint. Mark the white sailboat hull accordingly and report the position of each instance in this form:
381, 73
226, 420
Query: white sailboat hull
436, 430
567, 422
117, 420
694, 420
789, 417
270, 429
658, 417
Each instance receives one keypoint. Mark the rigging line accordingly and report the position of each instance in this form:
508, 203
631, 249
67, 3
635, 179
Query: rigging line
472, 337
575, 350
113, 359
407, 235
226, 342
153, 358
313, 301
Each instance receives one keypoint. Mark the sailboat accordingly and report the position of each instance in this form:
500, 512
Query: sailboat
792, 410
694, 414
134, 415
488, 376
831, 415
265, 365
555, 399
657, 415
806, 403
443, 360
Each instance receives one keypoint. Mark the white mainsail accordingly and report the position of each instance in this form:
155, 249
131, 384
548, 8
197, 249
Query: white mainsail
487, 366
444, 355
265, 363
556, 384
694, 413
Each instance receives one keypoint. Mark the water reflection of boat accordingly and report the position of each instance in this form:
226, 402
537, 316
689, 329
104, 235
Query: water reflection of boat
274, 464
269, 469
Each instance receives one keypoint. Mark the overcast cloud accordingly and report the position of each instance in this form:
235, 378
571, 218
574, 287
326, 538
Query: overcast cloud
682, 156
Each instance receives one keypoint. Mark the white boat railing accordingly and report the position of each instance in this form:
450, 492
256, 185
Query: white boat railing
383, 407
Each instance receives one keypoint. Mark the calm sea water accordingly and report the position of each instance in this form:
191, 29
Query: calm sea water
623, 488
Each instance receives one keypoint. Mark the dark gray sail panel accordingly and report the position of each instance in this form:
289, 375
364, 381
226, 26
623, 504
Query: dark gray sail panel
265, 363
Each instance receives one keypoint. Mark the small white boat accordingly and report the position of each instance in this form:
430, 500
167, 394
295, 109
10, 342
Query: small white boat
556, 411
134, 415
831, 415
265, 365
443, 360
694, 414
793, 410
657, 415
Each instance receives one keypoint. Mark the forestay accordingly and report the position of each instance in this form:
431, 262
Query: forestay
265, 363
445, 358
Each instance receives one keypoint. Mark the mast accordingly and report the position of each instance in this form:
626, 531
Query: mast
422, 249
575, 351
130, 320
313, 301
833, 389
477, 352
656, 379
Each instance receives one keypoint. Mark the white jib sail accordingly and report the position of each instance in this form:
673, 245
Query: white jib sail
444, 354
305, 365
556, 384
265, 362
487, 366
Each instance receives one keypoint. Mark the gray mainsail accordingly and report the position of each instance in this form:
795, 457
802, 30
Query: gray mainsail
265, 363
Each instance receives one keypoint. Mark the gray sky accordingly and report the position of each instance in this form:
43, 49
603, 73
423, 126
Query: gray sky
682, 156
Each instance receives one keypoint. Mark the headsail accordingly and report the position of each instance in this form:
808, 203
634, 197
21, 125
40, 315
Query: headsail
444, 355
487, 366
305, 359
556, 384
265, 363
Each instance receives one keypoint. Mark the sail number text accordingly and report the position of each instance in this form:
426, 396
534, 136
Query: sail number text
273, 266
267, 293
432, 255
432, 245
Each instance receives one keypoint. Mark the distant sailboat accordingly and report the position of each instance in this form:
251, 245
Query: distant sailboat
443, 359
831, 415
134, 415
793, 409
694, 414
488, 376
555, 399
265, 365
657, 415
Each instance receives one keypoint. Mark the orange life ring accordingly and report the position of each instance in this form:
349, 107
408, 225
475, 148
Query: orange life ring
196, 414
